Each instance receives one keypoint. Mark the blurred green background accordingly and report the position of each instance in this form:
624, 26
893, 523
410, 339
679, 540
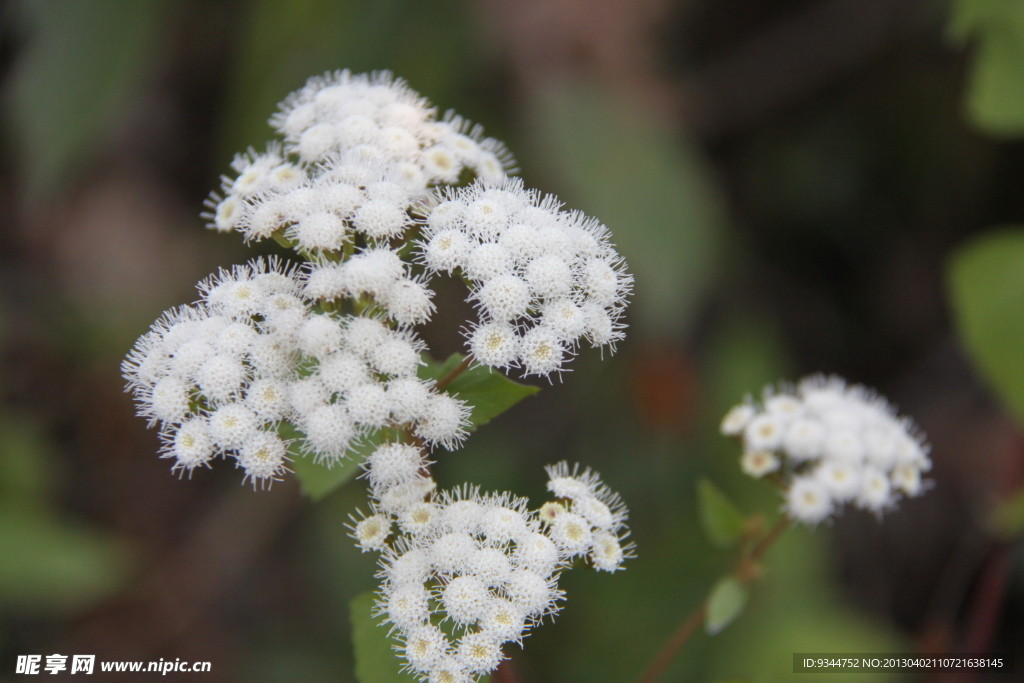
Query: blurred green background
788, 181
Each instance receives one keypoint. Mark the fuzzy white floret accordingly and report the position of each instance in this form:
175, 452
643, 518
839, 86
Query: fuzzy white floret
395, 356
606, 552
190, 356
408, 301
465, 599
601, 282
520, 242
408, 398
549, 276
531, 591
444, 421
764, 433
538, 553
393, 463
875, 492
503, 524
319, 336
262, 456
450, 553
373, 271
380, 219
363, 335
307, 394
446, 251
220, 377
168, 400
463, 516
397, 499
480, 652
842, 479
326, 281
419, 518
236, 339
424, 647
407, 606
504, 621
413, 566
595, 511
571, 533
844, 445
804, 439
504, 298
232, 425
368, 404
808, 500
271, 357
541, 351
268, 398
372, 532
759, 463
329, 430
341, 372
487, 261
495, 344
737, 419
564, 318
321, 230
191, 445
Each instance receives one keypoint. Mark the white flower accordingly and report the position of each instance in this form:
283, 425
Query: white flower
372, 532
759, 463
808, 501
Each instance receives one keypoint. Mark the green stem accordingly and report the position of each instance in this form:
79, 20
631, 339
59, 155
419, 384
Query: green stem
455, 372
691, 623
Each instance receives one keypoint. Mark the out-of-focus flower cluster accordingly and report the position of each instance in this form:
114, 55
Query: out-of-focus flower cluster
466, 572
829, 445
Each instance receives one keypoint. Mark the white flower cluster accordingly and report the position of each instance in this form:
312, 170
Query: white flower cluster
219, 376
835, 444
542, 278
468, 573
359, 152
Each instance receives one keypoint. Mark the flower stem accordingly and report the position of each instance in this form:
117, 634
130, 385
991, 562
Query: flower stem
455, 372
692, 622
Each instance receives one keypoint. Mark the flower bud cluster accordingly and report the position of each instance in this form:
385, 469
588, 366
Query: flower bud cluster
542, 278
467, 572
221, 375
833, 445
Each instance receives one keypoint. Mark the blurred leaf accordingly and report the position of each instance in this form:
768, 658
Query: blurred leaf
23, 473
51, 566
726, 602
632, 171
316, 479
1007, 519
376, 661
722, 522
487, 391
79, 64
995, 93
986, 282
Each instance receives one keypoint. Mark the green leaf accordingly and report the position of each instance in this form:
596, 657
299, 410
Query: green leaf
726, 602
376, 661
986, 283
316, 479
1006, 521
487, 391
722, 522
51, 566
995, 91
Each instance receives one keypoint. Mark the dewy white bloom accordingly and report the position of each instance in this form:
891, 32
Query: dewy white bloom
277, 362
833, 445
549, 275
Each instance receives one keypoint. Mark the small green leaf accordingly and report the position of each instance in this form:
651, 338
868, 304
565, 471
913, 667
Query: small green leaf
726, 602
1007, 519
53, 566
316, 479
723, 523
986, 282
487, 391
376, 661
995, 90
